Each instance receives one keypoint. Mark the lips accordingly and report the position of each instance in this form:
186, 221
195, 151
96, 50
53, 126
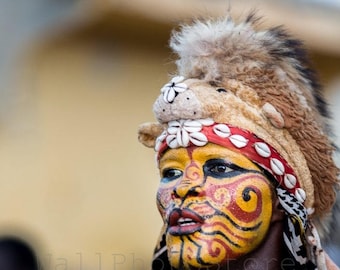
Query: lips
184, 221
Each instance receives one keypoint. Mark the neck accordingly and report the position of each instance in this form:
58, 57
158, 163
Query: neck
271, 254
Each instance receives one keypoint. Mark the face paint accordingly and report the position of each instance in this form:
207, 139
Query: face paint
216, 204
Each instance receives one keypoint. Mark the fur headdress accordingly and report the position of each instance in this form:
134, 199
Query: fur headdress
257, 80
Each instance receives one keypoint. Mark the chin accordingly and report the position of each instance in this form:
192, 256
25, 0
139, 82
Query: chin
193, 251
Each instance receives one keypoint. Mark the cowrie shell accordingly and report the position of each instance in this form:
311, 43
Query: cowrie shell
277, 166
171, 140
182, 138
169, 96
198, 138
192, 129
180, 87
177, 79
300, 195
262, 149
174, 123
192, 123
172, 130
158, 145
238, 140
289, 180
206, 121
165, 87
159, 140
192, 126
222, 130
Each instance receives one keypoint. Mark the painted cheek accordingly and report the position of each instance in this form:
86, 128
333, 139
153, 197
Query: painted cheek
164, 199
247, 204
251, 201
219, 196
242, 197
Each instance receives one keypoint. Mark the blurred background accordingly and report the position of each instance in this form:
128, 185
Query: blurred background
77, 77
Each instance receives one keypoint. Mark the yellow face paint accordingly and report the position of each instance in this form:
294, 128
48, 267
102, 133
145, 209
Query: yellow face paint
216, 204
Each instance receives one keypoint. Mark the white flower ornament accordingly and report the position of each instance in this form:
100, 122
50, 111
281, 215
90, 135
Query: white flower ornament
172, 88
181, 132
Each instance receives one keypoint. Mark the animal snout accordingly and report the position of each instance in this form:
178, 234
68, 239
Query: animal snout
184, 105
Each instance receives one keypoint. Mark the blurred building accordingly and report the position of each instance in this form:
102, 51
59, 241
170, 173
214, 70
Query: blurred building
76, 80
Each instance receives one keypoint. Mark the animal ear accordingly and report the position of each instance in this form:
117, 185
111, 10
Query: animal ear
273, 115
148, 133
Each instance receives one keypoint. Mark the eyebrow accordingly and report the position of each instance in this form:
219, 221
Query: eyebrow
172, 157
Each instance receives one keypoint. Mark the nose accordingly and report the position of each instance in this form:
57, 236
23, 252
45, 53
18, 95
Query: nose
186, 191
191, 184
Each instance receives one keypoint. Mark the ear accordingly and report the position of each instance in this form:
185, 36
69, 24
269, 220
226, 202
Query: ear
148, 133
275, 117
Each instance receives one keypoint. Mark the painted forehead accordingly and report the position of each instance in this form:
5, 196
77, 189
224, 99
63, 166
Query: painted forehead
201, 154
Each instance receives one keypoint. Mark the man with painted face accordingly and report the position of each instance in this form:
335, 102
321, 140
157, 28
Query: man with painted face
245, 162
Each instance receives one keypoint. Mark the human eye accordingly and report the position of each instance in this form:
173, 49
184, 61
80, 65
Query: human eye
220, 168
217, 167
170, 174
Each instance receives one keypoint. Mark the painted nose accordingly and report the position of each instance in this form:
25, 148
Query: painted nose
191, 184
182, 192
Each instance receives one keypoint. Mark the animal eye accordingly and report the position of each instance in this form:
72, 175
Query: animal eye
213, 83
170, 175
221, 90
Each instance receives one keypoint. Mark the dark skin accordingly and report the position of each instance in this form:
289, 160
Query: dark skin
270, 254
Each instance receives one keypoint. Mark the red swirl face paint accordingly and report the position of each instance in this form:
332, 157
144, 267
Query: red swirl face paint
216, 205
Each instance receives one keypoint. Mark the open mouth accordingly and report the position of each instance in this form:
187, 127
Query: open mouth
184, 221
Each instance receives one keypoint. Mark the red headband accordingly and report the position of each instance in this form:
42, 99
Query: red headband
183, 133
